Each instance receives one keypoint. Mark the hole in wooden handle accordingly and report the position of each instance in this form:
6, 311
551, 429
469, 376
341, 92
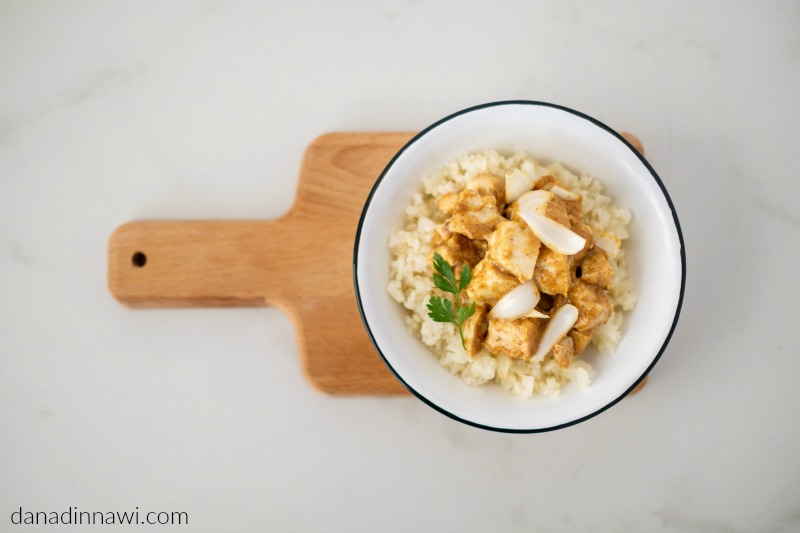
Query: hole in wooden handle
138, 259
201, 263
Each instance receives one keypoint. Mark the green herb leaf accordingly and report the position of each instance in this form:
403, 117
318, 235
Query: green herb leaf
437, 310
448, 307
443, 284
442, 309
445, 273
464, 313
466, 277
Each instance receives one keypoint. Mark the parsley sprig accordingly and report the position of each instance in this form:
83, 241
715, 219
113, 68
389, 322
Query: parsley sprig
442, 309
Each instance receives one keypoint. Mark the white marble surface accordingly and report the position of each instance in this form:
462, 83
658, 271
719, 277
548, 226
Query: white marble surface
115, 111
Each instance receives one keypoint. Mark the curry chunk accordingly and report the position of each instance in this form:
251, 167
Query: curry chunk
458, 250
490, 283
481, 247
517, 339
594, 307
441, 232
586, 232
514, 247
489, 185
552, 274
559, 300
512, 212
555, 210
448, 202
474, 330
563, 352
475, 216
596, 270
574, 208
573, 205
545, 304
606, 241
580, 339
545, 182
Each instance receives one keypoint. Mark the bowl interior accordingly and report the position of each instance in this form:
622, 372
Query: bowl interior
549, 134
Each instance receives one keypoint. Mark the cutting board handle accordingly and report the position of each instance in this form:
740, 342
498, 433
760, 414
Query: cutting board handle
198, 263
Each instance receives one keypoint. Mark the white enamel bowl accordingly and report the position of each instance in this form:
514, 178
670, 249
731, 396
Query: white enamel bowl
655, 255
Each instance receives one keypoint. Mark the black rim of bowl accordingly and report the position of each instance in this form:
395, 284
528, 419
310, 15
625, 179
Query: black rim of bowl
654, 176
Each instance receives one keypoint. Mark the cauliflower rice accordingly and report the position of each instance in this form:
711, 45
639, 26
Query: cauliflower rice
411, 282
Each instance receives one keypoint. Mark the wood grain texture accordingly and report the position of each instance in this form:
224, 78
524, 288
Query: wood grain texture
301, 262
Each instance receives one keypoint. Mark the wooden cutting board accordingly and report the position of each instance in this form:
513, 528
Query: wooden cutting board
301, 263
